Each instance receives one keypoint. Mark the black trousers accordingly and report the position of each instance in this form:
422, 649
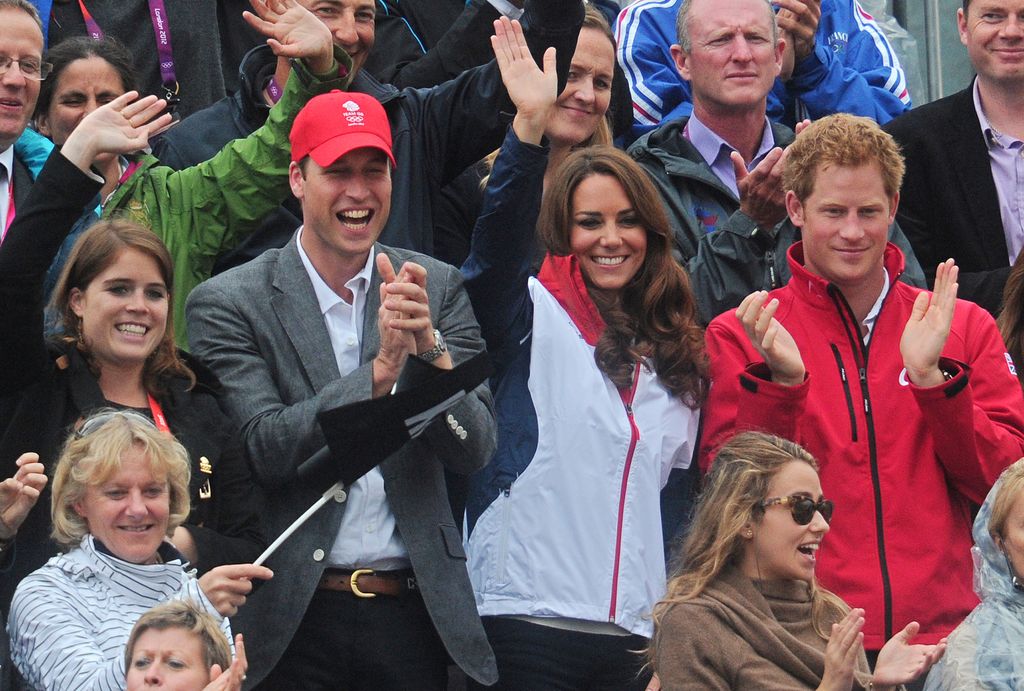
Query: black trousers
348, 643
533, 657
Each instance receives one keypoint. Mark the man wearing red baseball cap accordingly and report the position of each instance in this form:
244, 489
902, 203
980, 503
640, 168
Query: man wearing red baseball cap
373, 590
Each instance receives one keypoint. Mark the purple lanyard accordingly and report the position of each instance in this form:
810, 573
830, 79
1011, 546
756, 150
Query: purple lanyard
274, 90
162, 32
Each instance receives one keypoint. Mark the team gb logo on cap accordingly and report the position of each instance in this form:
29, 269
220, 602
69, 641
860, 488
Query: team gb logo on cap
354, 116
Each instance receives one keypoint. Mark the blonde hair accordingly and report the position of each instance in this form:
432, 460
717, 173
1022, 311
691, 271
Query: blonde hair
841, 140
1012, 484
731, 499
94, 454
188, 616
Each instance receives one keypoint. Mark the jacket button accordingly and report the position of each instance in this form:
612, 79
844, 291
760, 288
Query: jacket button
318, 555
340, 495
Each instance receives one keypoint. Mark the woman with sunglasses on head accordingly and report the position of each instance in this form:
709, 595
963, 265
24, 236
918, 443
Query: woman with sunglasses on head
120, 489
744, 611
985, 650
600, 375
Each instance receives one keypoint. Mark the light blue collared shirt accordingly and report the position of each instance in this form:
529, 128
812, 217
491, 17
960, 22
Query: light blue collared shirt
1006, 157
715, 150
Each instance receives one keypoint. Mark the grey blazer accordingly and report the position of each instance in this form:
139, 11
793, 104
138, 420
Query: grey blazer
259, 327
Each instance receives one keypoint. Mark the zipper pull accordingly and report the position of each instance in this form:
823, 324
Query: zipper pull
864, 389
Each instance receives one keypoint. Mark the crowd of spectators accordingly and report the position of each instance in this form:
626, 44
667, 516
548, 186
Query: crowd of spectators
518, 344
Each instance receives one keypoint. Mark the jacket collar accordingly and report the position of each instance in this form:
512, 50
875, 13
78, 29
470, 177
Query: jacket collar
563, 278
816, 290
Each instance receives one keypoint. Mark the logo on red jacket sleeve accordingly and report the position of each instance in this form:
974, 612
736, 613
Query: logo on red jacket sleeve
1009, 363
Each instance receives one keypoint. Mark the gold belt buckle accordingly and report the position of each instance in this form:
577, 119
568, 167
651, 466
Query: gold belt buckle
355, 588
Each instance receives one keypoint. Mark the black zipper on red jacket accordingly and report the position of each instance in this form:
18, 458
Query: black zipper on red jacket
860, 351
846, 390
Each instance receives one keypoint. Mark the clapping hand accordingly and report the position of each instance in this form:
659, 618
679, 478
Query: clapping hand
230, 679
899, 662
19, 494
845, 646
771, 339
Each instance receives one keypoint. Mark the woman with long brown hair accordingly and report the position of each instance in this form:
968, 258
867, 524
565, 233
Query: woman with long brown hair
744, 611
600, 375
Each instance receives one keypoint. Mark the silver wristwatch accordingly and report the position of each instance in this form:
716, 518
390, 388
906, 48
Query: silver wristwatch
439, 349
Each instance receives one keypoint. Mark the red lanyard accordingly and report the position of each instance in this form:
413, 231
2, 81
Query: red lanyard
158, 415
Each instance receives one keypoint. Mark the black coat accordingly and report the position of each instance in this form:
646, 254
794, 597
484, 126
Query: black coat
45, 388
948, 204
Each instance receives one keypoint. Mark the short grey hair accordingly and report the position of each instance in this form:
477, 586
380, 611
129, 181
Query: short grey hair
26, 7
683, 24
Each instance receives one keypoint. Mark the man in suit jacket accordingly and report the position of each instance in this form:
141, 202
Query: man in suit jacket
21, 39
955, 202
320, 323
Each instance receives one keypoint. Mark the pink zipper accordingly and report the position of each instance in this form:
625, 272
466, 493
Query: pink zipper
634, 437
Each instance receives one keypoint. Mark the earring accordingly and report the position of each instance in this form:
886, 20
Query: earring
750, 533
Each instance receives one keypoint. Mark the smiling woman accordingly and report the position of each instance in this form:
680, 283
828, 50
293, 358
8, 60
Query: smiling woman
745, 611
120, 489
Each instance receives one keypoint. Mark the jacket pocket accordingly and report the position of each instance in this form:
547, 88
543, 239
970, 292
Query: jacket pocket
452, 541
846, 390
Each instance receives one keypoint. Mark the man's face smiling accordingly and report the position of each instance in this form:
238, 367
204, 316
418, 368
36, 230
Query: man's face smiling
344, 206
351, 25
844, 224
993, 31
20, 39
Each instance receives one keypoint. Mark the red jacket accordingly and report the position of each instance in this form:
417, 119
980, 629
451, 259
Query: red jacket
902, 463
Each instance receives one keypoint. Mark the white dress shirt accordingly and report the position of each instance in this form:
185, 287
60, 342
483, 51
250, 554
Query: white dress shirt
368, 536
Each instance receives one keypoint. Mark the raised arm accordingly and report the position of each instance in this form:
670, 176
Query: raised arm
503, 244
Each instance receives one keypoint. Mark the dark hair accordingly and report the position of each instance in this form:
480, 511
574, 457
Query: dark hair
76, 48
1011, 318
97, 249
655, 314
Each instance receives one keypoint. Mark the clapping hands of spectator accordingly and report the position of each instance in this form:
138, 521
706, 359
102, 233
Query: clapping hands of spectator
292, 31
231, 678
771, 339
845, 646
532, 90
761, 195
799, 19
18, 494
899, 662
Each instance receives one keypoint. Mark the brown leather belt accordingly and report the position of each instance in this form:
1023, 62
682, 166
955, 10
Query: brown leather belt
369, 583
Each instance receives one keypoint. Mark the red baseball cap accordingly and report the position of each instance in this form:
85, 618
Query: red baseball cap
335, 123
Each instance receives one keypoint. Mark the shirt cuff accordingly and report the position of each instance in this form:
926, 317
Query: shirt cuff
506, 8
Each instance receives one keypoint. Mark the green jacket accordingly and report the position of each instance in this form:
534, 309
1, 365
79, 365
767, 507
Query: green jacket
201, 211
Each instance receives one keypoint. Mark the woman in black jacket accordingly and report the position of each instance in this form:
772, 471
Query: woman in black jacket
117, 350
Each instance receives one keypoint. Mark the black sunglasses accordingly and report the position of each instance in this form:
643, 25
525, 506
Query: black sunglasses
803, 508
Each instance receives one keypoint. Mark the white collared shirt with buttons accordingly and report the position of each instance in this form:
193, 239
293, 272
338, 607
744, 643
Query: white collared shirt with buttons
368, 536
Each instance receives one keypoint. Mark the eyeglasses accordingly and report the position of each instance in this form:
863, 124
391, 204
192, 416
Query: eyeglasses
30, 68
803, 508
97, 420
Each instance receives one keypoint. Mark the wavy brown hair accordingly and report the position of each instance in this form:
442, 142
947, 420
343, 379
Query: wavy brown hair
731, 499
97, 249
654, 315
1011, 317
